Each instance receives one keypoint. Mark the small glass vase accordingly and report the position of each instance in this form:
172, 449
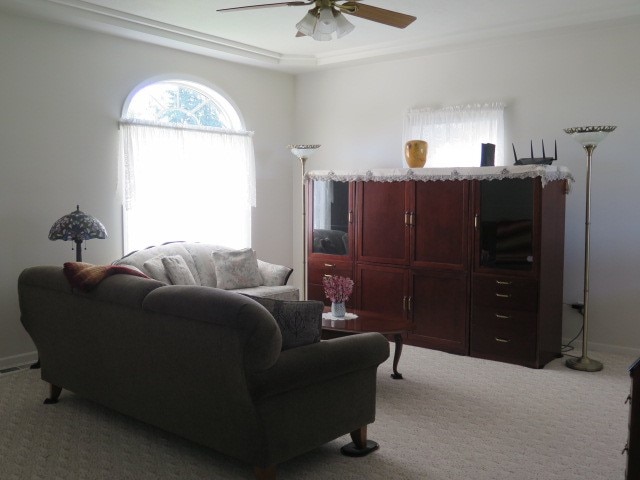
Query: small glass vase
338, 309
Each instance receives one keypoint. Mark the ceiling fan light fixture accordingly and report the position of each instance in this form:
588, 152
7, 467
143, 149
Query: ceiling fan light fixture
326, 21
307, 25
343, 26
321, 37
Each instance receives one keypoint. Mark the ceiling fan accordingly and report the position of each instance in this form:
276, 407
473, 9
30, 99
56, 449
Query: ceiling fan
326, 17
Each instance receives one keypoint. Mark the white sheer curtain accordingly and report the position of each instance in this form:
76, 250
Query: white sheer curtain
322, 200
455, 134
192, 183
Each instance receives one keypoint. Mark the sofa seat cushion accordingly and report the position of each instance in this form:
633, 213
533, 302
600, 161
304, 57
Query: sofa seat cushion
279, 292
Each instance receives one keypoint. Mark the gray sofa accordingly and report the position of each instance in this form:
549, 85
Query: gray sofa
201, 362
251, 276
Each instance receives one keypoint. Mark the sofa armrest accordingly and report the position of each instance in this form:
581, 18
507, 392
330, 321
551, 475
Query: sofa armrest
272, 274
319, 362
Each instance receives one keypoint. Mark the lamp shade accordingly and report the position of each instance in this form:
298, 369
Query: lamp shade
308, 23
592, 135
343, 25
77, 225
303, 151
326, 22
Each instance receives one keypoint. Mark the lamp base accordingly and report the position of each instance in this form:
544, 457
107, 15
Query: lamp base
584, 364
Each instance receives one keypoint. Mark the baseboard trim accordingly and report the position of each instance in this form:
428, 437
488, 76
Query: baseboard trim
19, 360
603, 347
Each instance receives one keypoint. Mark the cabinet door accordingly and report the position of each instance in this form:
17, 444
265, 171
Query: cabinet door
330, 224
439, 309
440, 224
507, 226
330, 234
382, 289
383, 229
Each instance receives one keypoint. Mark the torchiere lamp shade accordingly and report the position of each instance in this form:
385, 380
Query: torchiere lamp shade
77, 226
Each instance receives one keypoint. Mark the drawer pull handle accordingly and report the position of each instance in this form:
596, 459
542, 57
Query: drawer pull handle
326, 275
503, 282
503, 317
330, 265
502, 340
503, 295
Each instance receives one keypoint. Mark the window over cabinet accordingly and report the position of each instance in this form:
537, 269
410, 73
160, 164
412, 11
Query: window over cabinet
188, 167
455, 134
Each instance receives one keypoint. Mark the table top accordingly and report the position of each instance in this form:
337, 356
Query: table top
367, 322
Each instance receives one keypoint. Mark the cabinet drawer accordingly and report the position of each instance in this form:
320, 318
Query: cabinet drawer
509, 334
505, 292
317, 270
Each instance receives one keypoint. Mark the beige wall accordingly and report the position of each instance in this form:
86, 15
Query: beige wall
549, 82
61, 93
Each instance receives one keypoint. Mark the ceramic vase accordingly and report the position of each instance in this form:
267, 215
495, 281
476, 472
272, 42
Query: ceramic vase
338, 309
415, 153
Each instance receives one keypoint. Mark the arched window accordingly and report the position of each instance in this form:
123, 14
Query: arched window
188, 167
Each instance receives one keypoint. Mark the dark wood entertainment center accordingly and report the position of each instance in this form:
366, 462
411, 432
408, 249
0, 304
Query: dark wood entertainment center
473, 257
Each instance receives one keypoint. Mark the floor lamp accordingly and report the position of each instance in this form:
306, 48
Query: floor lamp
588, 137
303, 152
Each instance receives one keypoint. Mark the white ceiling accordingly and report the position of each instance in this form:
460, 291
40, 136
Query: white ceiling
267, 36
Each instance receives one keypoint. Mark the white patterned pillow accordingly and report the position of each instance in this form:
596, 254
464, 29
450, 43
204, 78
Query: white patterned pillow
237, 269
177, 270
156, 270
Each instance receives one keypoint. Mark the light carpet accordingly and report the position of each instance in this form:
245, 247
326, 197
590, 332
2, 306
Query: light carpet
451, 418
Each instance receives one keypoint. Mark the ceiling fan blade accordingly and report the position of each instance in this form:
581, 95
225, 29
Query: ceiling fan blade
377, 14
267, 5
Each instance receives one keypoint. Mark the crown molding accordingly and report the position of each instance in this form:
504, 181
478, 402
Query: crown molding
92, 17
82, 14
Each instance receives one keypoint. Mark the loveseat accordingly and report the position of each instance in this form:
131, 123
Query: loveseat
201, 362
213, 266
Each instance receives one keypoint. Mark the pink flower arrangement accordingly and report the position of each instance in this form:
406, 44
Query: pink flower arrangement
337, 289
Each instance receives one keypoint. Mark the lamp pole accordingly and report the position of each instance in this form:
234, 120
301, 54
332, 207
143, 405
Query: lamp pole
588, 137
303, 152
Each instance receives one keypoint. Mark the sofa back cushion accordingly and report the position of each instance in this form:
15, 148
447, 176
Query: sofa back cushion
140, 257
201, 253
